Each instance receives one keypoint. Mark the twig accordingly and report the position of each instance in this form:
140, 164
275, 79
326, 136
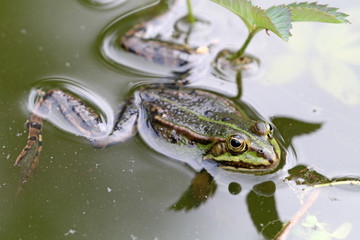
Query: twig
286, 230
339, 183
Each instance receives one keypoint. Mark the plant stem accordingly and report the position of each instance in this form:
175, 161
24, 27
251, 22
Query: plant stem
190, 15
242, 49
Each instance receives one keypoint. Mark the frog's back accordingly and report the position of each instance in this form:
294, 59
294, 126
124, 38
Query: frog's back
200, 112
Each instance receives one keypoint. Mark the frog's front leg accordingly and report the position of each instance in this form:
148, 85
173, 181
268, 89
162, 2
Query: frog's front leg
125, 126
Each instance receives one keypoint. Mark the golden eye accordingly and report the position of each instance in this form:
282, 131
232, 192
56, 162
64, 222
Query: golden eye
236, 144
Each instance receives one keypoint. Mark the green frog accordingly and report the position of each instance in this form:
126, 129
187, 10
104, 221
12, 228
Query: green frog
146, 40
189, 125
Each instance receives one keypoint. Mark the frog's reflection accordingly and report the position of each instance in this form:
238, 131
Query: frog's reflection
262, 209
201, 188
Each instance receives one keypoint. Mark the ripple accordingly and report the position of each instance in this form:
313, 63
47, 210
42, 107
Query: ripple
97, 103
170, 27
227, 69
103, 4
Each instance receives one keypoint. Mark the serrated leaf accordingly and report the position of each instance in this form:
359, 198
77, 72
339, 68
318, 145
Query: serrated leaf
243, 9
315, 12
281, 21
276, 19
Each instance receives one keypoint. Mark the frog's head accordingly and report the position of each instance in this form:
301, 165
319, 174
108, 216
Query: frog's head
254, 149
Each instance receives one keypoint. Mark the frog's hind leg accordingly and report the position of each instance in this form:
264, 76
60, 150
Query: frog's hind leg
29, 156
81, 117
124, 128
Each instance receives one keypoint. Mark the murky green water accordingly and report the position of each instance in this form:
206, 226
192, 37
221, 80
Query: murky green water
309, 88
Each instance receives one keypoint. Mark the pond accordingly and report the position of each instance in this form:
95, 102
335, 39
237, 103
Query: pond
308, 88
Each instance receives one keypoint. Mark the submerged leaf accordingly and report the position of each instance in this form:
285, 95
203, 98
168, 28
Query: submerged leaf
343, 231
314, 12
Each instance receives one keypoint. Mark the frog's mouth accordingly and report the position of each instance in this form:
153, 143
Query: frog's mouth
243, 166
228, 163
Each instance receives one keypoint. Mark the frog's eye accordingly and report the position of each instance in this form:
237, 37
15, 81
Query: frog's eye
271, 131
264, 128
236, 143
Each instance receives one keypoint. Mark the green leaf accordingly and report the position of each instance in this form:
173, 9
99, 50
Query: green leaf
314, 12
243, 9
280, 21
276, 19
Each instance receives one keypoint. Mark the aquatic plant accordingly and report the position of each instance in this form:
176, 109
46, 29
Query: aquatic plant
191, 17
278, 19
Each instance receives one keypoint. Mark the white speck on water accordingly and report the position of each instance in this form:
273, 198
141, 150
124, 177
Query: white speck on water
67, 64
19, 134
23, 31
109, 189
41, 48
8, 157
133, 237
71, 231
83, 212
51, 157
4, 146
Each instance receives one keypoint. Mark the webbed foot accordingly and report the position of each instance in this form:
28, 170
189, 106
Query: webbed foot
29, 156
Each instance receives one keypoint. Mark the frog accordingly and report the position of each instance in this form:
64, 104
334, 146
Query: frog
190, 125
146, 40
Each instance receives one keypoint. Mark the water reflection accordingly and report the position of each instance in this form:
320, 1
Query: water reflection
186, 31
202, 187
262, 208
103, 4
163, 45
227, 69
93, 100
289, 128
234, 188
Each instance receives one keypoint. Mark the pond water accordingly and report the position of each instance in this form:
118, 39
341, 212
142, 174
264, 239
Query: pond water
309, 88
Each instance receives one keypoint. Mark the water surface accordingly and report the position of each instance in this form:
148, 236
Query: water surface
309, 86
